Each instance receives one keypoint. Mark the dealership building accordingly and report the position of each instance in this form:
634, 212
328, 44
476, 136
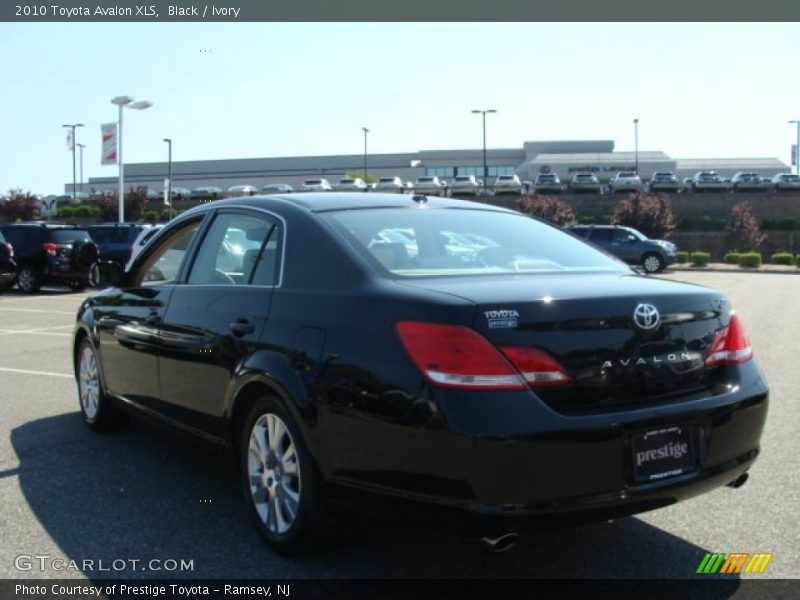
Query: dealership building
561, 157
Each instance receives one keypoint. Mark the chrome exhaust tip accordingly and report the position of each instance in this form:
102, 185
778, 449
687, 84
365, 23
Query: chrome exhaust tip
501, 543
739, 481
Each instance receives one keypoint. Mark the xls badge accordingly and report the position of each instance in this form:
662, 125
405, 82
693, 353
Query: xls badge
501, 319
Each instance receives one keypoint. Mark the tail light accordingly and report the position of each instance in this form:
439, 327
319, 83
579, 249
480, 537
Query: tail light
49, 248
458, 357
730, 346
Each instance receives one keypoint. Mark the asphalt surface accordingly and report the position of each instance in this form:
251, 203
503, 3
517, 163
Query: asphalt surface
145, 493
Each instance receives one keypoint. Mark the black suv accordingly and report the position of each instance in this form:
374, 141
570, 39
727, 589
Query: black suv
628, 244
115, 240
8, 268
50, 253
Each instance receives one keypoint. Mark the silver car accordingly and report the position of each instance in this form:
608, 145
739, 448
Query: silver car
664, 181
785, 181
351, 184
547, 182
430, 185
750, 182
708, 181
507, 184
586, 182
625, 181
316, 185
465, 185
390, 185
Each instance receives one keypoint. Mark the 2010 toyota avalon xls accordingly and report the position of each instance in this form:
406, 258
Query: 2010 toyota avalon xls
434, 352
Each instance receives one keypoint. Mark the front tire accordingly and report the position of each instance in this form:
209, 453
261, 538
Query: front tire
280, 481
96, 408
653, 263
28, 280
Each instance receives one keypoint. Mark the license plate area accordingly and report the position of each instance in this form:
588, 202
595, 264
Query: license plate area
661, 454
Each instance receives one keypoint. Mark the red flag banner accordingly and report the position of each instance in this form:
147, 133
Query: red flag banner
109, 156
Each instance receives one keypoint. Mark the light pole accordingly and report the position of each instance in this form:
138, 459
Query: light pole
797, 147
169, 174
121, 102
366, 131
636, 144
81, 146
483, 114
72, 143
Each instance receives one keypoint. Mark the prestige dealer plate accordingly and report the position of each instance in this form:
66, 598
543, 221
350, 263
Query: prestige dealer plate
662, 453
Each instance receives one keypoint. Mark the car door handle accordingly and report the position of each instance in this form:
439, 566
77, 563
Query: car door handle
242, 327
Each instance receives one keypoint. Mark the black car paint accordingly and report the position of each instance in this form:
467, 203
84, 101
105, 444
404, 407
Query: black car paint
324, 342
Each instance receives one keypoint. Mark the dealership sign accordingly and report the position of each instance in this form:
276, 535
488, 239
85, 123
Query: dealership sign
109, 156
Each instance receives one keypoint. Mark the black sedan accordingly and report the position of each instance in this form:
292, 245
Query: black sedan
464, 361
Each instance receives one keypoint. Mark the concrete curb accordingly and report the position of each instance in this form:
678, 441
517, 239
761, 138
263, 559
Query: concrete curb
720, 268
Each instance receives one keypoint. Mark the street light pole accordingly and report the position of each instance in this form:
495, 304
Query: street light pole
72, 138
366, 131
483, 114
169, 174
797, 147
636, 143
121, 102
81, 146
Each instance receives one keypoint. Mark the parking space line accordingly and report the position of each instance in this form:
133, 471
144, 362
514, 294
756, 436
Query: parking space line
33, 332
34, 310
27, 372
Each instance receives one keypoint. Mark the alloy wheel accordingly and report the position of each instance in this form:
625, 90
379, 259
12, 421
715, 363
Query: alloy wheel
89, 383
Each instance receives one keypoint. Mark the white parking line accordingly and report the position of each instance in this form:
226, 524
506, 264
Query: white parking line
34, 310
33, 332
27, 372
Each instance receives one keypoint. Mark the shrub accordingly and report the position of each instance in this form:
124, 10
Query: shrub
151, 216
797, 260
86, 211
20, 206
743, 229
750, 260
649, 213
782, 258
700, 259
586, 220
548, 208
66, 212
165, 214
732, 258
681, 257
704, 223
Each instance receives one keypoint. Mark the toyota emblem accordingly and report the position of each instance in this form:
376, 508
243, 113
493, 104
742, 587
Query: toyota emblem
646, 317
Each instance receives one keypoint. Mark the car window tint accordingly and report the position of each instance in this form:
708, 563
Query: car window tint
162, 265
602, 235
233, 250
63, 236
110, 235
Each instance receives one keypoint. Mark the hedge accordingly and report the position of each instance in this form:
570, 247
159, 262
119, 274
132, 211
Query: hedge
782, 258
732, 258
750, 260
66, 212
681, 257
700, 259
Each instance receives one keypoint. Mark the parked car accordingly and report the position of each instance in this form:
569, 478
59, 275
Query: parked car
507, 184
465, 185
277, 188
393, 185
585, 182
541, 381
236, 191
145, 235
704, 181
50, 254
785, 181
625, 181
547, 183
178, 193
351, 184
8, 266
430, 185
664, 181
316, 185
749, 182
207, 193
115, 241
629, 245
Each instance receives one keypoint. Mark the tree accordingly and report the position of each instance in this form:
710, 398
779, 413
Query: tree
649, 213
20, 206
548, 208
744, 232
135, 203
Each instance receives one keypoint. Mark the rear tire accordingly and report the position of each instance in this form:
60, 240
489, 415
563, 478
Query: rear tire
653, 263
280, 481
98, 411
28, 280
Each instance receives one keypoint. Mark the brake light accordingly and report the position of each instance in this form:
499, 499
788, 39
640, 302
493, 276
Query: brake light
49, 248
538, 368
457, 357
730, 346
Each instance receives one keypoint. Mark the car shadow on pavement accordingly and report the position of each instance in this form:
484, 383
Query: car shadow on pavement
145, 493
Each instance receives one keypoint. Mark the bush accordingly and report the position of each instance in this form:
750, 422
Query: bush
66, 212
743, 229
732, 258
704, 223
20, 206
586, 220
797, 260
151, 216
85, 211
750, 260
681, 257
548, 208
649, 213
165, 214
782, 258
700, 259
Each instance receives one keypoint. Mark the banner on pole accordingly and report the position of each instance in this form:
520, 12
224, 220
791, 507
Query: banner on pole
794, 155
69, 140
109, 156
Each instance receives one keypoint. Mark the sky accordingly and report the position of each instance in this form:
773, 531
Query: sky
306, 89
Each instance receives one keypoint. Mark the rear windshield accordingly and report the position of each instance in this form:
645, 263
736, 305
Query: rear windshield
425, 179
62, 236
420, 242
112, 235
313, 181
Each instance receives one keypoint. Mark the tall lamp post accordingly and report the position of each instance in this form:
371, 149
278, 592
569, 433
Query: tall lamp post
169, 174
72, 143
636, 144
122, 102
797, 147
366, 131
81, 146
483, 114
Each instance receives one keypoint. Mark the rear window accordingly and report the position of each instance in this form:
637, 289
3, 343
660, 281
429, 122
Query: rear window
113, 235
413, 242
63, 236
313, 181
425, 179
386, 180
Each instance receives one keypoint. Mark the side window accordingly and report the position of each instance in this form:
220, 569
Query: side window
602, 235
162, 266
239, 249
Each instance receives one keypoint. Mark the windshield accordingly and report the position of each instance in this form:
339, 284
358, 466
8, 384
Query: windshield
456, 242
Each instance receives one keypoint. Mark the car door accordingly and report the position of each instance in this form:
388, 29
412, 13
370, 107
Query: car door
129, 318
626, 245
215, 319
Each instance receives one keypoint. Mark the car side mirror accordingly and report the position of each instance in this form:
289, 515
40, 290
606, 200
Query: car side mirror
105, 274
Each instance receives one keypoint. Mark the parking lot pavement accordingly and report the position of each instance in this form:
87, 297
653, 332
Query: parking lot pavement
145, 493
